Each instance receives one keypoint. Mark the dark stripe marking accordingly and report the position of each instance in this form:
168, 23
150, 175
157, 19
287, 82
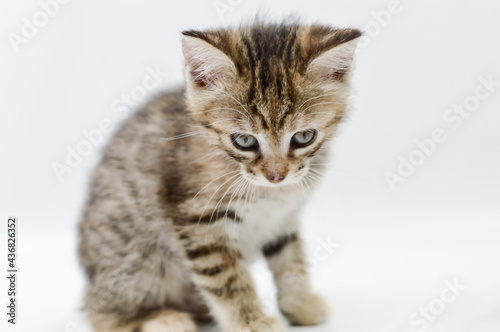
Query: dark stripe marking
205, 251
228, 291
184, 236
209, 218
209, 126
212, 271
275, 247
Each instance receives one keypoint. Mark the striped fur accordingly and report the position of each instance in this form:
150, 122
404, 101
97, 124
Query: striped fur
275, 247
177, 210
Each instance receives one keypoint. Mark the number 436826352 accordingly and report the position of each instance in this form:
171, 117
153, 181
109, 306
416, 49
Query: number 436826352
11, 242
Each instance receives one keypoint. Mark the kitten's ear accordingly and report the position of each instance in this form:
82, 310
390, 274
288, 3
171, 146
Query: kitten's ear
331, 52
206, 65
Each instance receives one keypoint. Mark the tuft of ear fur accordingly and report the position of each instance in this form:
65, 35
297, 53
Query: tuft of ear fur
206, 65
331, 52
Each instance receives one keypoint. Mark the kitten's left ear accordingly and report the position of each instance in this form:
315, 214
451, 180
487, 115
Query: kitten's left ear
331, 52
206, 65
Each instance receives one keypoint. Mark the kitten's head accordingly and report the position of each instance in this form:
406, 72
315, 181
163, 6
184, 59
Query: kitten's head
269, 96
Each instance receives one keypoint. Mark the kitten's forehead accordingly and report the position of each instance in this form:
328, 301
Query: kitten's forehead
269, 75
268, 57
271, 60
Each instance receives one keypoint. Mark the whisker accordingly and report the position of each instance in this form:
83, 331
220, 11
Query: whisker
307, 185
237, 204
321, 164
245, 203
325, 103
213, 181
222, 108
305, 116
316, 177
211, 197
206, 157
196, 132
239, 198
217, 206
241, 188
180, 136
316, 97
236, 192
222, 90
211, 123
220, 201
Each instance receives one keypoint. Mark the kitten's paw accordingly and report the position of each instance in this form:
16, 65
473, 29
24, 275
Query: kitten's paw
312, 310
170, 321
266, 324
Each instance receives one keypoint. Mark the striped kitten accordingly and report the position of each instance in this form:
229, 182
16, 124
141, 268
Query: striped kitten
204, 180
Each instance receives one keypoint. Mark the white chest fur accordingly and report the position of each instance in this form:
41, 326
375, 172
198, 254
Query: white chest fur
263, 221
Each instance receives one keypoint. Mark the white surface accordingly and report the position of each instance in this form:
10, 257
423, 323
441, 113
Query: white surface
397, 248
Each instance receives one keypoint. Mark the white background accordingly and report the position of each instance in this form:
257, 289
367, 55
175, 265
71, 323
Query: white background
396, 248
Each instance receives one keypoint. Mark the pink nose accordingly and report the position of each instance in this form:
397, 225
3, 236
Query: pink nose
275, 178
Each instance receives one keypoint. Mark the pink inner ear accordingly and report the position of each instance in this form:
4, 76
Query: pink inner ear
206, 64
334, 63
198, 72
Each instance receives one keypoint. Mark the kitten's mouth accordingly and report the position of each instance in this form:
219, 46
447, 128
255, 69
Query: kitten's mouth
275, 181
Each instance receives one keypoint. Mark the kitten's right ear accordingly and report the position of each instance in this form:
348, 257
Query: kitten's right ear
206, 65
331, 52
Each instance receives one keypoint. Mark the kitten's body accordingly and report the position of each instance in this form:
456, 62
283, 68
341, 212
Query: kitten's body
172, 223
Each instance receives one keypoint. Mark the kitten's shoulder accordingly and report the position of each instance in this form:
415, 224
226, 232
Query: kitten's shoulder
162, 117
167, 104
163, 113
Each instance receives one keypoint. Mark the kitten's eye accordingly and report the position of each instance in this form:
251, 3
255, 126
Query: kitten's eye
303, 138
245, 142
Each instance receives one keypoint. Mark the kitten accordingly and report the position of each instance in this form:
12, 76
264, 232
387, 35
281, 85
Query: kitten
204, 180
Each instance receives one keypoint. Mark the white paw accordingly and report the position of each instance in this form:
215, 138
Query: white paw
170, 321
266, 324
312, 310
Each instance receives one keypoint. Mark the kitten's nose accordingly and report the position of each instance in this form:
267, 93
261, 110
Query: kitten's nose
275, 178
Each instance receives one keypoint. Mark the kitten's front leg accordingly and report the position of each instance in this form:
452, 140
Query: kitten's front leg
219, 273
287, 261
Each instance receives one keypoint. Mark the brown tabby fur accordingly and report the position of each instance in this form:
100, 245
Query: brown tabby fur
176, 210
